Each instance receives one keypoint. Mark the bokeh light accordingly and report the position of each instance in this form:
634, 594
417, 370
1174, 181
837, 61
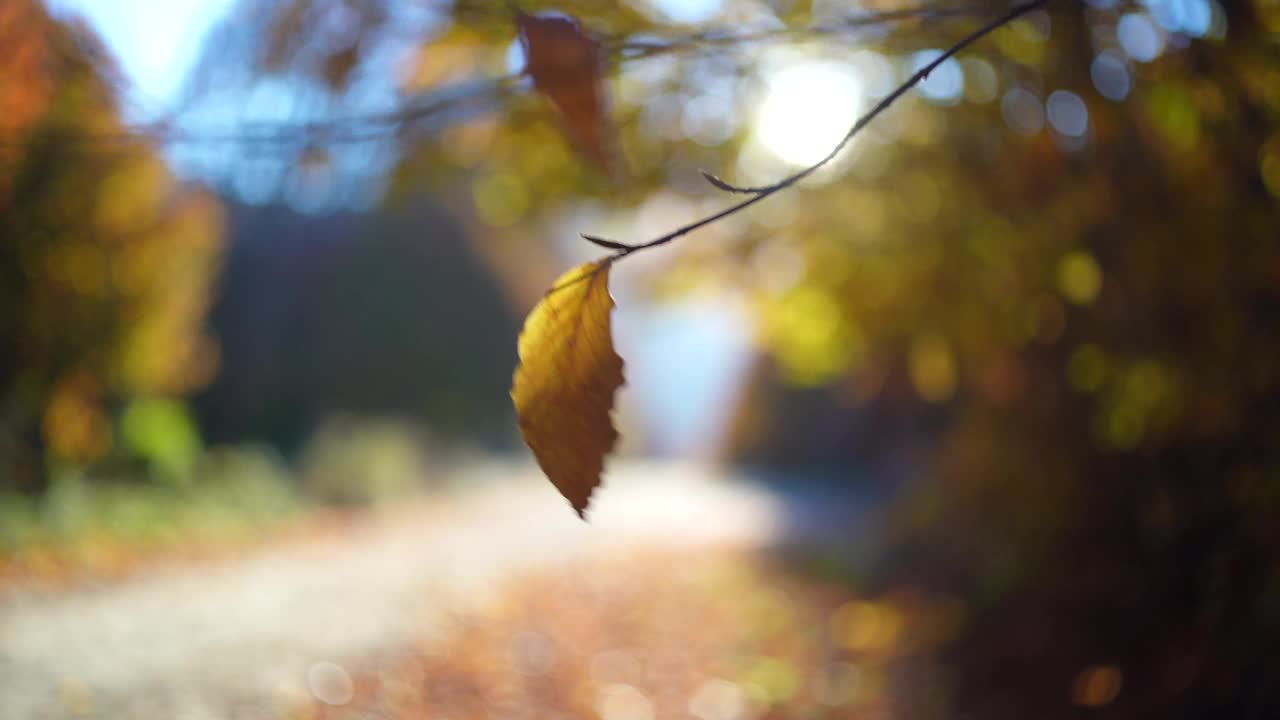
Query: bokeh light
1067, 113
1110, 76
945, 85
1079, 278
1140, 37
807, 108
981, 83
1190, 17
1097, 686
1023, 111
717, 699
330, 683
932, 367
972, 423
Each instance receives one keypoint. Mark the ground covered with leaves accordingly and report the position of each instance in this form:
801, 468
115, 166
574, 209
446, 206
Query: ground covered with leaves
717, 635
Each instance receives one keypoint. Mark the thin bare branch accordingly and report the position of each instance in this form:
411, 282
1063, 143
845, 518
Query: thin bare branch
860, 21
760, 193
354, 129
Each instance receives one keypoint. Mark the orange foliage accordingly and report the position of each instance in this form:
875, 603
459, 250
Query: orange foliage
27, 86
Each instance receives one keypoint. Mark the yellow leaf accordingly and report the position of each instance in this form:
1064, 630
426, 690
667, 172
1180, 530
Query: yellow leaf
563, 387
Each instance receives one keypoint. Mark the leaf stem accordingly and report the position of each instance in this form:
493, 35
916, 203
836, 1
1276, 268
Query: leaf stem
760, 193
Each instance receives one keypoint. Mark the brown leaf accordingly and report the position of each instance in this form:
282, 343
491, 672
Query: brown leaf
339, 65
567, 67
563, 388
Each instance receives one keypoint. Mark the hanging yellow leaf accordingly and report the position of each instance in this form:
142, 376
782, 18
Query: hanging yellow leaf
567, 67
563, 387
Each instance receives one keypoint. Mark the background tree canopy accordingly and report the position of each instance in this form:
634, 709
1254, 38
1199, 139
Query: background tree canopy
107, 260
1032, 308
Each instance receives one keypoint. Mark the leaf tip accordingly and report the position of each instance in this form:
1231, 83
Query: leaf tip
607, 244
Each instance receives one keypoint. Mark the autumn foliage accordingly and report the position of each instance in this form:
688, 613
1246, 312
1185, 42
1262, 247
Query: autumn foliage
106, 259
1030, 313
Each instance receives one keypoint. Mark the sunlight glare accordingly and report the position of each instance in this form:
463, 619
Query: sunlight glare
807, 109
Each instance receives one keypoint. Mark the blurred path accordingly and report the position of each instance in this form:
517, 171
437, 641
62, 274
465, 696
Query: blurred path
184, 644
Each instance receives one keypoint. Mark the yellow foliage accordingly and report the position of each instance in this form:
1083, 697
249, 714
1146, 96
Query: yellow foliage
501, 199
933, 368
131, 195
563, 388
1087, 368
1021, 41
813, 342
1079, 278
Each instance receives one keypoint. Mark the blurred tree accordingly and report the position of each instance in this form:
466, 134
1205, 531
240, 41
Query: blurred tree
105, 261
387, 313
1038, 299
1047, 308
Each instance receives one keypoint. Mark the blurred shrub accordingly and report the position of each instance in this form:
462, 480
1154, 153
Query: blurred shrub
162, 432
354, 461
229, 492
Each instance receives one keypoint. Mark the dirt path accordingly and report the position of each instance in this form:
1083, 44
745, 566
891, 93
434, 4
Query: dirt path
181, 644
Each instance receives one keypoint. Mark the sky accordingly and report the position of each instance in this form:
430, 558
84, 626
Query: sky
156, 41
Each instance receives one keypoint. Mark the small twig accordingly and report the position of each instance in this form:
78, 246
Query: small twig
608, 244
714, 38
762, 192
722, 184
